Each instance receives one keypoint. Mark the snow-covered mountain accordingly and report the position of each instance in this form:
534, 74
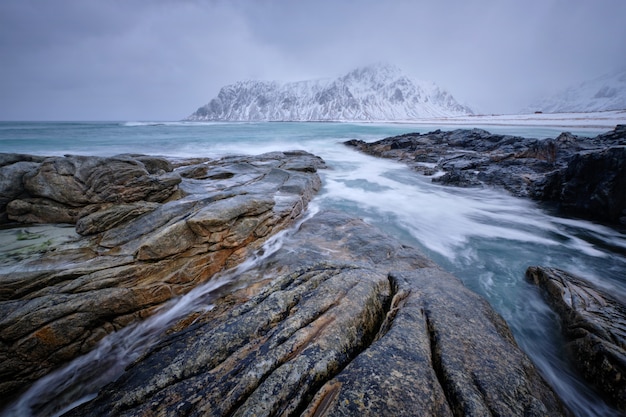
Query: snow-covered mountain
374, 93
607, 92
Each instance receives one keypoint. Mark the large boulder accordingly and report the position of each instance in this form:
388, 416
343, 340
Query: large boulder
594, 327
594, 185
343, 320
57, 305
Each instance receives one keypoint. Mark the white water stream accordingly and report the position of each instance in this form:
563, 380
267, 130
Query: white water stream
485, 237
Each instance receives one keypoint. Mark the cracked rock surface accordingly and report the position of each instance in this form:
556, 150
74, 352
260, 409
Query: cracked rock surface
152, 229
342, 320
594, 325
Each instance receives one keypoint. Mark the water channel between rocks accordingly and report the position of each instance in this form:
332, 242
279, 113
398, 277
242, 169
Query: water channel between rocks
485, 237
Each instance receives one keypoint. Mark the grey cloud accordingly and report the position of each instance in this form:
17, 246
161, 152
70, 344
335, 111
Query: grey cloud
139, 59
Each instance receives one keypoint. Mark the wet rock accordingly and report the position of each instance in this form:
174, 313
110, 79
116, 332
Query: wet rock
41, 210
13, 167
594, 184
63, 189
78, 180
135, 255
586, 176
154, 164
108, 218
343, 320
594, 325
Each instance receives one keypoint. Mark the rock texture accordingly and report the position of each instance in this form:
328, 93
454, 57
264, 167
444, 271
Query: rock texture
594, 325
154, 229
64, 189
342, 320
13, 167
595, 182
586, 176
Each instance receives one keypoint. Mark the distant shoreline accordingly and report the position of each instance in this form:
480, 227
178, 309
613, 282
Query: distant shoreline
592, 120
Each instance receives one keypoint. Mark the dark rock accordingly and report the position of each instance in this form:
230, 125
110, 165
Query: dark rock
13, 167
459, 178
586, 176
594, 327
42, 210
155, 165
342, 320
594, 184
139, 254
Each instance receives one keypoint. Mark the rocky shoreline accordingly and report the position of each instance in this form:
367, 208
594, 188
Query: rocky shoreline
150, 233
350, 323
586, 177
341, 320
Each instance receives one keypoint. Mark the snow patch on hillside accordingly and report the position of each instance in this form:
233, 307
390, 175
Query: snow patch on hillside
604, 93
377, 92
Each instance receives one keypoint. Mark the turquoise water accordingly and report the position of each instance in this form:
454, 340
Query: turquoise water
485, 237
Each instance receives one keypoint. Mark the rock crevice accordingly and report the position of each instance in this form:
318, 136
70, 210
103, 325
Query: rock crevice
340, 320
594, 327
150, 235
330, 330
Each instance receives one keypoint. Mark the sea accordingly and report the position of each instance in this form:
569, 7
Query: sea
484, 236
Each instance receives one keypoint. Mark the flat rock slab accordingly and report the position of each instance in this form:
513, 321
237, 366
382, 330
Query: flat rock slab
153, 230
342, 320
594, 325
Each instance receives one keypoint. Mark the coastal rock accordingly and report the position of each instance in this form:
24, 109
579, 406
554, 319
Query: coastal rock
594, 327
13, 167
78, 181
41, 210
586, 176
138, 253
107, 218
594, 183
64, 189
342, 320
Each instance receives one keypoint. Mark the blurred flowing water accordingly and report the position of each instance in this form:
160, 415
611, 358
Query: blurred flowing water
485, 237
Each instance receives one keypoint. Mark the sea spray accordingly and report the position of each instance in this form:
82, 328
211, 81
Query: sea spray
80, 380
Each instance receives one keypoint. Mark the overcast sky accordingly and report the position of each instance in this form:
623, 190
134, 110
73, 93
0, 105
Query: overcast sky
162, 59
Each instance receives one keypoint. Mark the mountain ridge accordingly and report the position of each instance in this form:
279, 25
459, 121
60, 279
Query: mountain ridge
379, 92
604, 93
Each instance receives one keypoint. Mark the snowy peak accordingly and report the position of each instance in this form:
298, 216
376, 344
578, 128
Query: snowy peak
376, 75
375, 93
604, 93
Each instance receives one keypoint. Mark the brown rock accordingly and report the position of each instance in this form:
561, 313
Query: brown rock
343, 320
81, 180
594, 324
108, 218
61, 303
42, 210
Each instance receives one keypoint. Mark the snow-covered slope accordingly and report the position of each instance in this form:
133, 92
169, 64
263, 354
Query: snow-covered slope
601, 94
374, 93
